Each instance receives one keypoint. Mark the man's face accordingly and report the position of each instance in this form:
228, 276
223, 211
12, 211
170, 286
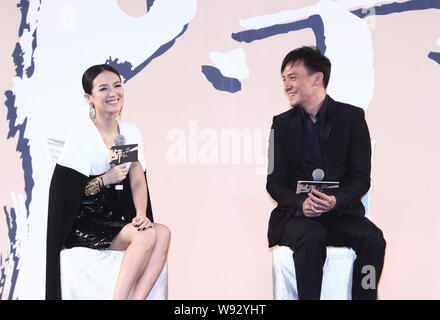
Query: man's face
299, 85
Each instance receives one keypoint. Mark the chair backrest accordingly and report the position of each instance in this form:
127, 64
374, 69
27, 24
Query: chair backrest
366, 199
52, 149
366, 202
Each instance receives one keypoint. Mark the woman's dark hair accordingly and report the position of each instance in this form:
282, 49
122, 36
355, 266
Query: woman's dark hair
313, 60
92, 72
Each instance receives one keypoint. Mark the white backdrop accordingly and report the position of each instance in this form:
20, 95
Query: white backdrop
203, 84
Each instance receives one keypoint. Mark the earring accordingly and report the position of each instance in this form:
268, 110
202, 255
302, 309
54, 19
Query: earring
92, 112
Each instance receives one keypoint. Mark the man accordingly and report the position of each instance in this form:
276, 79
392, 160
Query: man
320, 133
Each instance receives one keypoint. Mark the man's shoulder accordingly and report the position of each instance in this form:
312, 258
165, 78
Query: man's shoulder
286, 114
345, 108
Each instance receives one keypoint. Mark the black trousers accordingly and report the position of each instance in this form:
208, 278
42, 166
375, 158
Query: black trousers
309, 237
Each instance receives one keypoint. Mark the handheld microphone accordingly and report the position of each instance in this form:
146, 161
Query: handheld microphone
119, 141
318, 174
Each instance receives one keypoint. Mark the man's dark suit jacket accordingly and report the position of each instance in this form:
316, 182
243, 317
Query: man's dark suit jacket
345, 153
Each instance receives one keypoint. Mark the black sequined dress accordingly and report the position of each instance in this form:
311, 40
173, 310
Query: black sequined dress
98, 221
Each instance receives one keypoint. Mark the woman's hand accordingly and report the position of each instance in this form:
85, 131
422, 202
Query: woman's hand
142, 223
115, 174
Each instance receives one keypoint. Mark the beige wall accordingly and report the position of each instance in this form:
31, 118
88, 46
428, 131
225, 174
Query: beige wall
218, 213
403, 117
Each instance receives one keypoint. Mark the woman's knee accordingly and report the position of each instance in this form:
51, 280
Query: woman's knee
146, 238
163, 233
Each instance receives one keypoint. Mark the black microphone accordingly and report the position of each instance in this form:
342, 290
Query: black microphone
119, 141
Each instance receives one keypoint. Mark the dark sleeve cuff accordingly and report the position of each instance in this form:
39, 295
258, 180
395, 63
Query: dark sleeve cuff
337, 206
299, 205
337, 209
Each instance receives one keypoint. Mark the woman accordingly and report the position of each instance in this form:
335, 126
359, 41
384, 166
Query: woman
84, 207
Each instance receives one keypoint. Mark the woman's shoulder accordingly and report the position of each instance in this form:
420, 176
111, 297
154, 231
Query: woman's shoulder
81, 128
78, 147
81, 136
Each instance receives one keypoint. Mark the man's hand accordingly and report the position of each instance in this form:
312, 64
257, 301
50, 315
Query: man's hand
308, 210
318, 203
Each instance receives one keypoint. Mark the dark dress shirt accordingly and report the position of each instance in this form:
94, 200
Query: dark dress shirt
312, 133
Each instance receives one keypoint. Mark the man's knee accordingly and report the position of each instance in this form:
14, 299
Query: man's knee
374, 240
316, 235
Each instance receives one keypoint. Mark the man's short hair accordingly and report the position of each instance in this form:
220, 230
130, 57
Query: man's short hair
313, 60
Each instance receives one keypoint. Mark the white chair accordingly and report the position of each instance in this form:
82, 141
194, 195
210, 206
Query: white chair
89, 274
336, 282
337, 271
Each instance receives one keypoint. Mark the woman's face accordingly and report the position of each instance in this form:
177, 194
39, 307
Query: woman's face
107, 94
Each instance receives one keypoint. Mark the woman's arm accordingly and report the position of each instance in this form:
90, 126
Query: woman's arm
114, 175
138, 188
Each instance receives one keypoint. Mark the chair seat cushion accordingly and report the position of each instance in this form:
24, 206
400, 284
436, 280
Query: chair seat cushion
89, 274
337, 279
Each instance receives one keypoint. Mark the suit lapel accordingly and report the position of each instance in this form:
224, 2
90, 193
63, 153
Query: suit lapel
327, 128
298, 143
297, 134
328, 124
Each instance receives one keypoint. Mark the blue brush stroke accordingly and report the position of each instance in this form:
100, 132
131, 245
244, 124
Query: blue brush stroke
397, 7
11, 219
434, 56
17, 56
314, 22
18, 53
30, 69
2, 276
219, 81
126, 68
149, 4
22, 143
24, 8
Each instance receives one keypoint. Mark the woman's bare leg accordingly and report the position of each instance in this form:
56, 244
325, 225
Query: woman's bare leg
155, 264
139, 246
